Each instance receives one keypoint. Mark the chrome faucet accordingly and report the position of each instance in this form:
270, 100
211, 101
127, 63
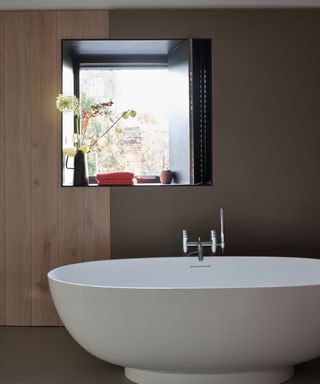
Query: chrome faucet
200, 249
212, 244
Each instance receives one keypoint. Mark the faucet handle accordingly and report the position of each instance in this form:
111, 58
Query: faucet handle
213, 237
185, 240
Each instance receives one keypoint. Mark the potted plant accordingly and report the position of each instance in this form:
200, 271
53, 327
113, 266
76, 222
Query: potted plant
166, 175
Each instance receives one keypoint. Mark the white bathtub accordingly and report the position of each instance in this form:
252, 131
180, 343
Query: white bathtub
225, 320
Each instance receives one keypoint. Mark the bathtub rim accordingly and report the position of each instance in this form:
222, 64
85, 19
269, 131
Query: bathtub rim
178, 288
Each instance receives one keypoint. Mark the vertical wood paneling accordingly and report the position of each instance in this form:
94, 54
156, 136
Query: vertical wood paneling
44, 80
42, 225
2, 195
96, 24
97, 201
18, 168
71, 200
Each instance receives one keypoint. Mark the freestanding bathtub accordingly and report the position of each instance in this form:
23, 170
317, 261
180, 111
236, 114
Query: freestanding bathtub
224, 320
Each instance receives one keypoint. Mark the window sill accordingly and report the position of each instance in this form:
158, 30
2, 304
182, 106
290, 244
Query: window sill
135, 185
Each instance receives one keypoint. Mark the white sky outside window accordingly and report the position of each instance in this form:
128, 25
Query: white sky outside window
146, 92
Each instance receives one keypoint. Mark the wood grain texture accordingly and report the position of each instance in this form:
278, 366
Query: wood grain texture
42, 225
96, 24
69, 26
44, 79
18, 166
97, 201
71, 200
2, 177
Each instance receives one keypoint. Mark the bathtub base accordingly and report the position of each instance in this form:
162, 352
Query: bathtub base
274, 376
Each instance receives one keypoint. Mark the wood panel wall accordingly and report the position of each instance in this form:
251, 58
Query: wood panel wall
2, 189
42, 225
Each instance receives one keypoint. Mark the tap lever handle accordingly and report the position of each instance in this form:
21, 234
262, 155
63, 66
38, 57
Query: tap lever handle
213, 237
185, 240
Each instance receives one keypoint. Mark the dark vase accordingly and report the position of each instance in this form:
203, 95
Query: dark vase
80, 175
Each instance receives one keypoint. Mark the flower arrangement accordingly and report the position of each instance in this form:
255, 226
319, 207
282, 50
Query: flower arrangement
81, 140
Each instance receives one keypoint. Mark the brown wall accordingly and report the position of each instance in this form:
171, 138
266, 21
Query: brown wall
266, 82
41, 224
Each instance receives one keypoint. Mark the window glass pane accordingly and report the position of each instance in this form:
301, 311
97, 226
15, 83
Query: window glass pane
140, 144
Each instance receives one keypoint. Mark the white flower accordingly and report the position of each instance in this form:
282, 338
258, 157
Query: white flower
68, 103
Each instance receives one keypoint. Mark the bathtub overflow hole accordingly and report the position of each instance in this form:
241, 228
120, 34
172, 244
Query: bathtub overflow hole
200, 266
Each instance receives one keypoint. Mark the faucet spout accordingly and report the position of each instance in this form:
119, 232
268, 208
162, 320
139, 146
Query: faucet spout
222, 244
200, 249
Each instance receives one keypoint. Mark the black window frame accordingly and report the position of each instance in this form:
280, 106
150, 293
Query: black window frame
200, 105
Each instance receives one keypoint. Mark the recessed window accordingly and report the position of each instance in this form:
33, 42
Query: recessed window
167, 82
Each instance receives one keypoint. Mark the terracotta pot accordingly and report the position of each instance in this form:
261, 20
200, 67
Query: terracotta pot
166, 176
